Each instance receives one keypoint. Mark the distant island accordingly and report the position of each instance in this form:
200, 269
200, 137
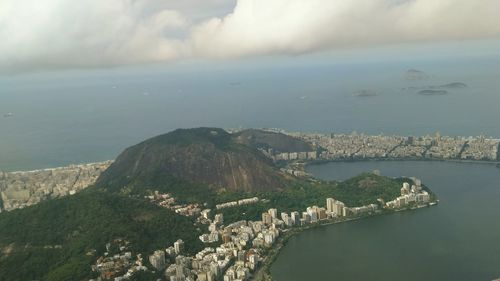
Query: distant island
433, 92
454, 85
365, 93
414, 74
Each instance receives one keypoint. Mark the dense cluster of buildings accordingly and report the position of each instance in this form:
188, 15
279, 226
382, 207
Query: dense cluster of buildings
361, 146
117, 263
166, 200
290, 156
23, 189
481, 148
413, 195
242, 245
246, 201
233, 259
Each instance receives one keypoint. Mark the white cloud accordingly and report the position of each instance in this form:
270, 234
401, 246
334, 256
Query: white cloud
63, 33
295, 26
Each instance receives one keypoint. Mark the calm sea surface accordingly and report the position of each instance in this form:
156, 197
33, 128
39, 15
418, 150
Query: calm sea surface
457, 240
78, 118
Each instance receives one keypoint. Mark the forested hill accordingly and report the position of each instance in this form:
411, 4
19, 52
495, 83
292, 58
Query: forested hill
50, 241
206, 156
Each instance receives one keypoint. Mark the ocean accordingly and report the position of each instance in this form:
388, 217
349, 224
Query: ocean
79, 117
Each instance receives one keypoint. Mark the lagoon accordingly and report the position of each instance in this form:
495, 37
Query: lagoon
456, 240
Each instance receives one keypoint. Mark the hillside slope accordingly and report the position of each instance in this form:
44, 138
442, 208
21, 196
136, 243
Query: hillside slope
204, 156
49, 241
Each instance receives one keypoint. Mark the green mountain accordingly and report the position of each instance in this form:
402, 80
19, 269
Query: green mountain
204, 157
361, 190
49, 241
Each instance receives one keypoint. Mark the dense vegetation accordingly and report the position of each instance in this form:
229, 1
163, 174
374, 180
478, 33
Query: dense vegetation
79, 224
361, 190
90, 219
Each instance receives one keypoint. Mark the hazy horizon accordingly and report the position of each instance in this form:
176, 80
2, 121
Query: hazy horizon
91, 115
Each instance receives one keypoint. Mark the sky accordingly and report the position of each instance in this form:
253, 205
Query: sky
60, 35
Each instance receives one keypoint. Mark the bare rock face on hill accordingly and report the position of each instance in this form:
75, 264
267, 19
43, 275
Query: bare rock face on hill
208, 156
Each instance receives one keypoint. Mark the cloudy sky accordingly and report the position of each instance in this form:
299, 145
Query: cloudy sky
62, 34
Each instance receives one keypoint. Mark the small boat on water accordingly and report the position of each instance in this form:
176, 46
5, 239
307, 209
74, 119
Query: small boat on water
9, 114
434, 203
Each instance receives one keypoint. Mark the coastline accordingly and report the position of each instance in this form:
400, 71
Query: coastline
305, 163
325, 161
70, 166
264, 271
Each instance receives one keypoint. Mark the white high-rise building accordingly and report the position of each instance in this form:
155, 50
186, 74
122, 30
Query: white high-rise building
284, 216
330, 202
157, 259
179, 246
339, 206
267, 219
335, 207
219, 219
273, 213
306, 217
405, 189
295, 218
313, 213
286, 219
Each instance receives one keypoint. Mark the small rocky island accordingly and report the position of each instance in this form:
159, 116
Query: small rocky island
454, 85
430, 92
437, 89
365, 93
414, 74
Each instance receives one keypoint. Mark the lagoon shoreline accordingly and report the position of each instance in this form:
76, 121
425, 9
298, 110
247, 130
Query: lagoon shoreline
264, 271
